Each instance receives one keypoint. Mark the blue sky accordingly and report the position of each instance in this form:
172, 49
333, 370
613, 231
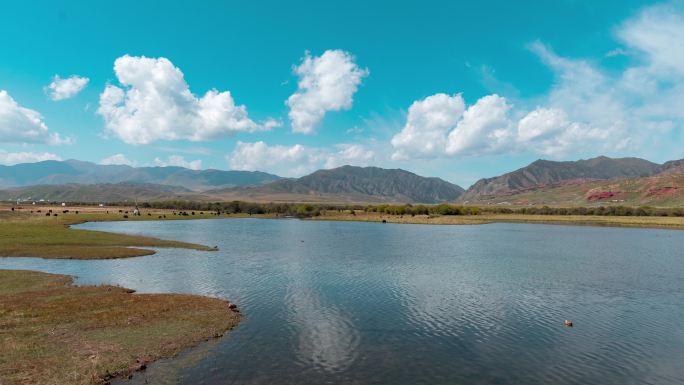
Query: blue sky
460, 90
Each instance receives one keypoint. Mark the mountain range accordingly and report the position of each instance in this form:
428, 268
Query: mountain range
52, 172
545, 172
88, 182
600, 180
352, 184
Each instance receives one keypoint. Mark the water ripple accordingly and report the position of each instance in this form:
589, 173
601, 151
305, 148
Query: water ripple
361, 303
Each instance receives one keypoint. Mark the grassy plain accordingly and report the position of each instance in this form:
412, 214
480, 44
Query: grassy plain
28, 233
54, 333
614, 221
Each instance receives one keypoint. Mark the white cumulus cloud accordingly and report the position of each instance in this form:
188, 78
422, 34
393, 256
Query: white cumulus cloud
23, 125
155, 103
636, 110
485, 127
10, 158
178, 161
491, 126
427, 124
296, 160
441, 125
61, 89
326, 83
118, 159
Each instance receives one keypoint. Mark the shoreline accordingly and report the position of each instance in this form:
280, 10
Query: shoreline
652, 222
106, 245
34, 234
30, 234
93, 334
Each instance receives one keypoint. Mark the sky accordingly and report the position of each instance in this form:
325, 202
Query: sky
455, 89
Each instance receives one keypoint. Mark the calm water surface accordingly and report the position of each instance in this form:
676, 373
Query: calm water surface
367, 303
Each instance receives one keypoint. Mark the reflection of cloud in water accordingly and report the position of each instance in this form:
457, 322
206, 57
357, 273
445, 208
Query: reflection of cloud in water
327, 339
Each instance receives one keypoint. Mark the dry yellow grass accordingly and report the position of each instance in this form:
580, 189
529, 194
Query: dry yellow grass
615, 221
54, 333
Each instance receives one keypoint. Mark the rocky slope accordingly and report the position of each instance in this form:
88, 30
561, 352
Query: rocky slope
545, 172
361, 184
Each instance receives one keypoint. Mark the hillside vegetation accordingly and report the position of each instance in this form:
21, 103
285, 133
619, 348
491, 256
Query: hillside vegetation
546, 172
662, 190
361, 184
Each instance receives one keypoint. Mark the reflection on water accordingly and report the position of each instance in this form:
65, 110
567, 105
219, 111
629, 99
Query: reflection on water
343, 302
326, 339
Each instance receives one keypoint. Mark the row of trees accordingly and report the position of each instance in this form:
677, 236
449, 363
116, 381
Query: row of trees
644, 211
441, 209
238, 207
446, 209
309, 209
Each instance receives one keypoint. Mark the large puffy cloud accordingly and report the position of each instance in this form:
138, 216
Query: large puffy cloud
61, 89
326, 83
542, 123
154, 103
485, 127
427, 124
23, 125
178, 161
296, 160
293, 160
489, 127
552, 133
10, 158
441, 125
587, 109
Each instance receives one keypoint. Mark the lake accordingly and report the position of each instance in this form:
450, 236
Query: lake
371, 303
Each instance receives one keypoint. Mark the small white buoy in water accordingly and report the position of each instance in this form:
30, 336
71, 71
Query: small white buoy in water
568, 323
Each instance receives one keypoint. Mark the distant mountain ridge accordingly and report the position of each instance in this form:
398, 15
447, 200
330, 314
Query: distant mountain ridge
101, 193
596, 181
363, 183
81, 181
53, 172
545, 172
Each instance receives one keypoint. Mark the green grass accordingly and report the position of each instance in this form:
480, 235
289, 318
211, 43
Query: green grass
54, 333
24, 234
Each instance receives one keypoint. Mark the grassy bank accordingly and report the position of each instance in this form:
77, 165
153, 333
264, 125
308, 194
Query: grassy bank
28, 233
615, 221
54, 333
